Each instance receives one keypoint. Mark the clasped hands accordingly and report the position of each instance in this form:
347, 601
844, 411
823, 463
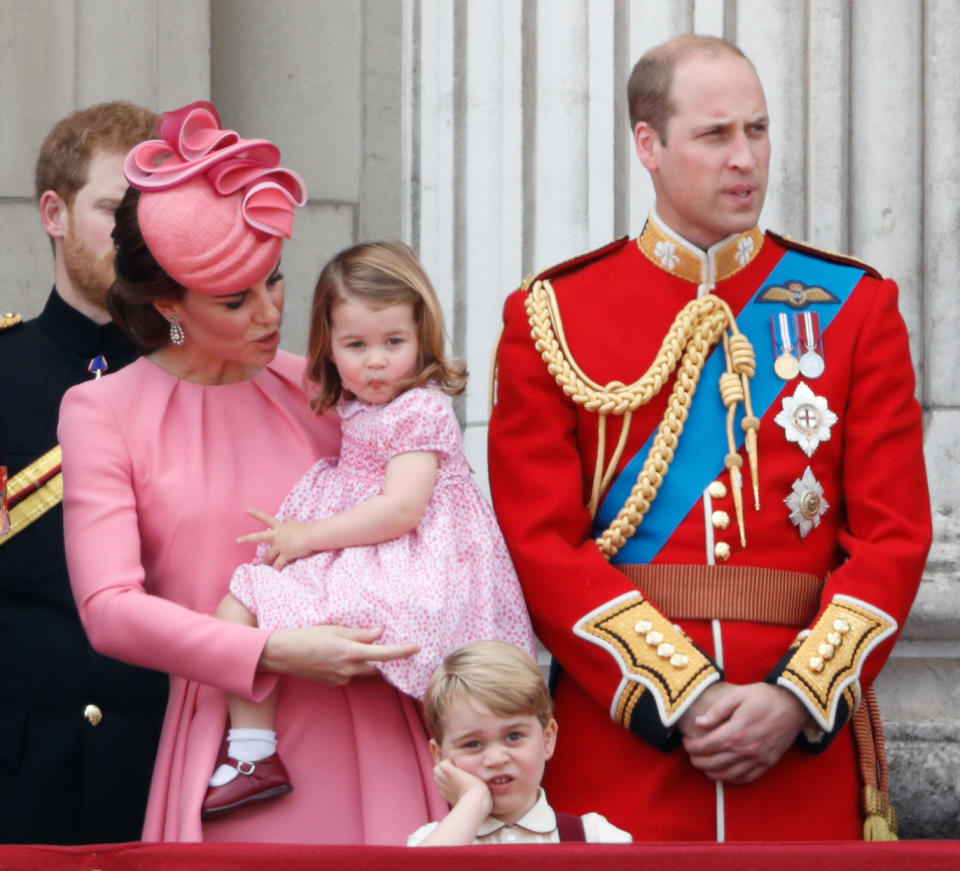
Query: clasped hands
734, 733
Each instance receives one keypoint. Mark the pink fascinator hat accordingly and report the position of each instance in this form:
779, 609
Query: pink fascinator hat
214, 208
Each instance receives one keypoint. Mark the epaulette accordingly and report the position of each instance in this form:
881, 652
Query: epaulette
573, 263
824, 254
9, 320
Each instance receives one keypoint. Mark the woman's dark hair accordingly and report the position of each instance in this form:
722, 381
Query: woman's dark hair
140, 281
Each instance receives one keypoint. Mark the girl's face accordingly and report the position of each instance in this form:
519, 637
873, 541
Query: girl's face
374, 350
228, 338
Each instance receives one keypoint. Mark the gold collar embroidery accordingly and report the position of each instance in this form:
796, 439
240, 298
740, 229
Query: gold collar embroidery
676, 255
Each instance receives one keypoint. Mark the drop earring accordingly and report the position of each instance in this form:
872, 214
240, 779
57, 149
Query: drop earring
176, 331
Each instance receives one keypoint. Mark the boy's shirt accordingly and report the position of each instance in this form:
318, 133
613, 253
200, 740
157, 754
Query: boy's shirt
537, 826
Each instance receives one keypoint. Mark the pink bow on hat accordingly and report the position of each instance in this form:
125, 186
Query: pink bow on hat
193, 143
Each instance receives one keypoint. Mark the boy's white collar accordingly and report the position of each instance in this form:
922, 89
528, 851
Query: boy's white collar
540, 818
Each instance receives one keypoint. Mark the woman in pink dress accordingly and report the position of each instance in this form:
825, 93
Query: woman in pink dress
159, 461
393, 532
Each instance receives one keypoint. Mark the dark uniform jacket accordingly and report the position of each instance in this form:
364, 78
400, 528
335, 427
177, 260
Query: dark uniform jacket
63, 780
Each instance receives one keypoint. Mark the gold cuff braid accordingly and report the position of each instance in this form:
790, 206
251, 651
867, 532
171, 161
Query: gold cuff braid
830, 658
650, 650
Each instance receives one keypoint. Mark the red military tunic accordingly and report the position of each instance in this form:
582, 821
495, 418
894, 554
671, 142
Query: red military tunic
629, 672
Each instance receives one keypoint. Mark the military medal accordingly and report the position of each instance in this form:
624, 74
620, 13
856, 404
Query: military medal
98, 365
786, 365
808, 336
806, 419
806, 503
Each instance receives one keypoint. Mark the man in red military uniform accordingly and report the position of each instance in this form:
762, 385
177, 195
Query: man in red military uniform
706, 458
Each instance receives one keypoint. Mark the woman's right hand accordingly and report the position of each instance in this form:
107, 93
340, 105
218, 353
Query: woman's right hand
330, 655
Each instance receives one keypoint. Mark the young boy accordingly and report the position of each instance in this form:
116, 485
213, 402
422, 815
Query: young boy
490, 715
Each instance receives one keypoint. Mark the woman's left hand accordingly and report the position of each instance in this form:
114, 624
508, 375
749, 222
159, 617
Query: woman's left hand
287, 540
331, 655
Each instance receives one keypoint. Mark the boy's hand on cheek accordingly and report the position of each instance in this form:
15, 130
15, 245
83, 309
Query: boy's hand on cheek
455, 783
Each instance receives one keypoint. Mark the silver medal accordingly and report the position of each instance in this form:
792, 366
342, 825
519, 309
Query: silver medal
808, 334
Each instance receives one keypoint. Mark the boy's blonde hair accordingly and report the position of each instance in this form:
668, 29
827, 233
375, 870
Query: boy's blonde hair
497, 674
379, 274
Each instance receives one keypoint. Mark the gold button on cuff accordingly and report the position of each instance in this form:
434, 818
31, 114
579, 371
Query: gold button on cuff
835, 638
826, 650
643, 627
654, 637
720, 519
722, 551
679, 660
92, 714
717, 489
665, 650
816, 663
841, 625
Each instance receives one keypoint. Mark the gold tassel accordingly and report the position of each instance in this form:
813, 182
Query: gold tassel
880, 823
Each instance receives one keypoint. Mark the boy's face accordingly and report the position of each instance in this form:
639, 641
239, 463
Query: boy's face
507, 753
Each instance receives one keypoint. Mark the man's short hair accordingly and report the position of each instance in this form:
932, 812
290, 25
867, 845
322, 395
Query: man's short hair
649, 89
64, 159
499, 675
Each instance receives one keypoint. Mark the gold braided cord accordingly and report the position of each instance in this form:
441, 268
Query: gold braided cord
656, 466
694, 331
741, 359
613, 398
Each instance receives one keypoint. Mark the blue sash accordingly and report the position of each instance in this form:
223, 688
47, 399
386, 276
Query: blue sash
703, 443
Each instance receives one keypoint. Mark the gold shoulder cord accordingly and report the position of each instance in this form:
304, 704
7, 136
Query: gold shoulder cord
698, 326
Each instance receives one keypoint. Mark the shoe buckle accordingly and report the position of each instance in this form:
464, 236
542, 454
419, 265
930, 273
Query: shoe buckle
249, 769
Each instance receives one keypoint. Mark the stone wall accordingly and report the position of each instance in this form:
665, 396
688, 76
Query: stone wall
491, 134
318, 77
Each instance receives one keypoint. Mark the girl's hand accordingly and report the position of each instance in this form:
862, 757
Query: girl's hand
287, 540
330, 655
455, 783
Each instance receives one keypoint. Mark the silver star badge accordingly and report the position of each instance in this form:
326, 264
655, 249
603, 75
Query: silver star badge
806, 419
806, 503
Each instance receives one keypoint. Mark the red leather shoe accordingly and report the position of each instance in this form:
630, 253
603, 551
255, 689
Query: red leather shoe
256, 781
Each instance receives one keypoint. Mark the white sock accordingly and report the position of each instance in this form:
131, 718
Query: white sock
248, 745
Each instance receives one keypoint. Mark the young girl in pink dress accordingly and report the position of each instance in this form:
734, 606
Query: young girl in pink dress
393, 533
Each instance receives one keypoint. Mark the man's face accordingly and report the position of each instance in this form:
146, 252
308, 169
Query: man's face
87, 245
711, 173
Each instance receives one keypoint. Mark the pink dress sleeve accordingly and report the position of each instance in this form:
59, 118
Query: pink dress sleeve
421, 419
103, 547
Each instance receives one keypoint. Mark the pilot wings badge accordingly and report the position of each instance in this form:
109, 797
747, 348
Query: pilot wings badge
797, 295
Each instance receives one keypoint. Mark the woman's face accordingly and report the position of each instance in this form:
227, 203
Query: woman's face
229, 338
